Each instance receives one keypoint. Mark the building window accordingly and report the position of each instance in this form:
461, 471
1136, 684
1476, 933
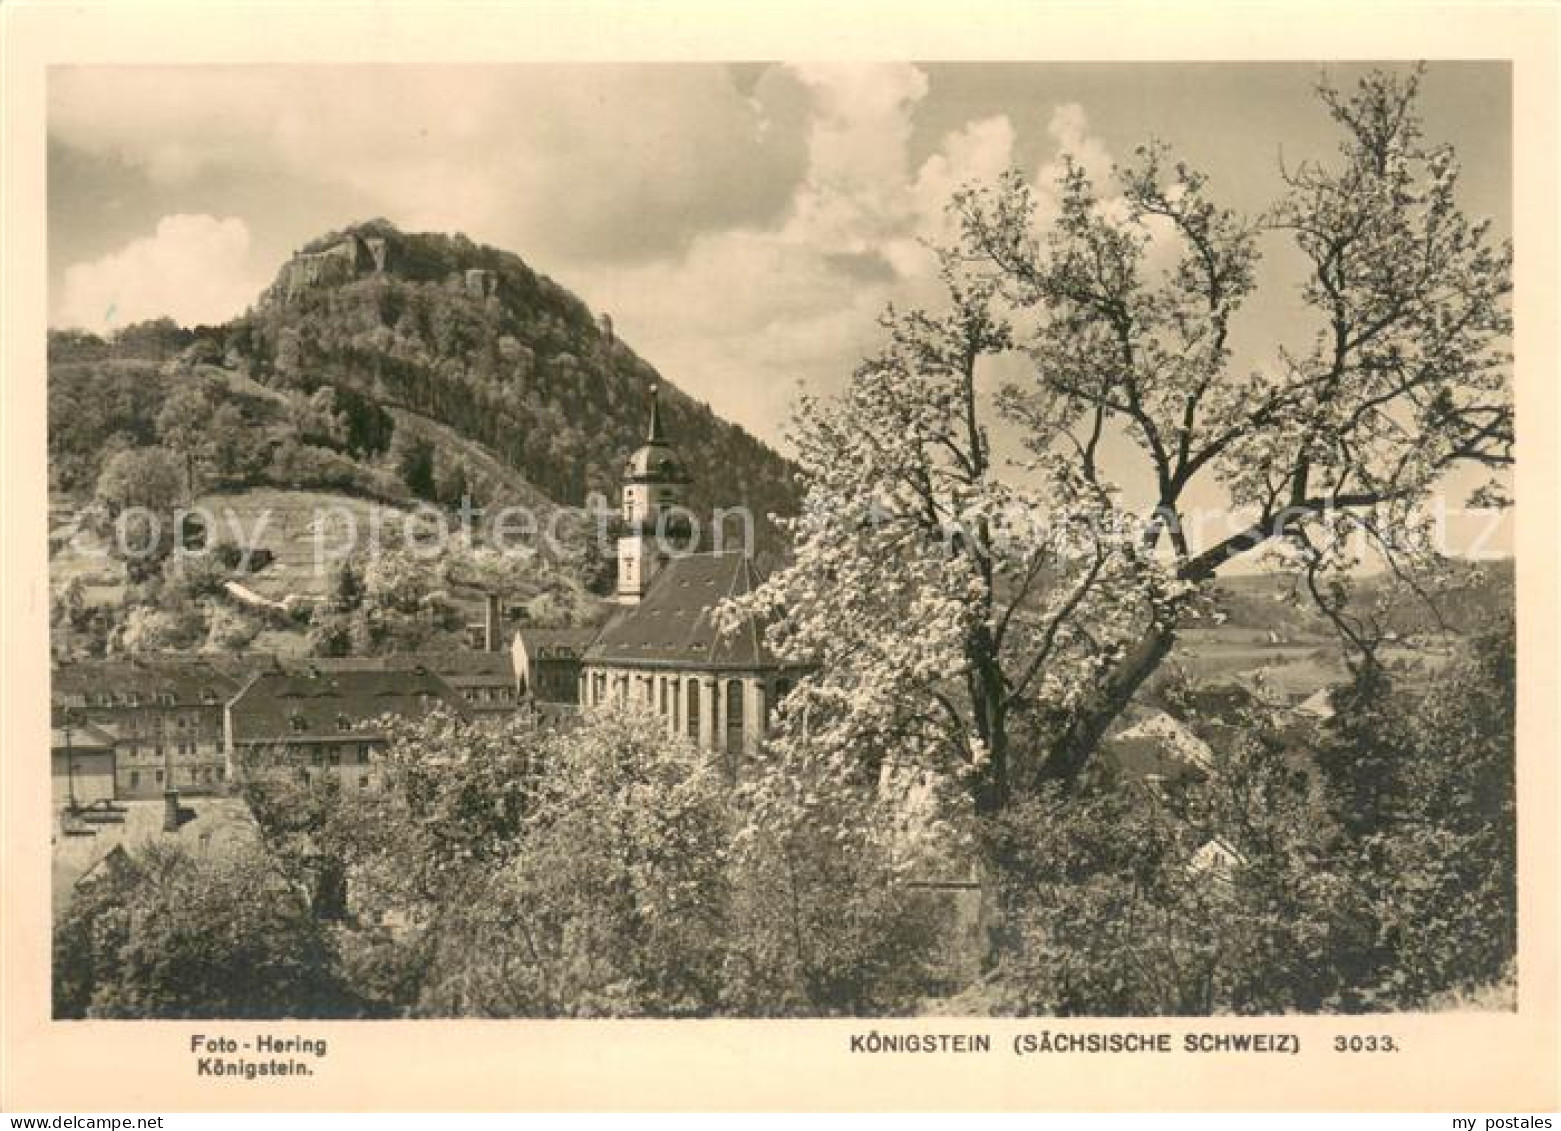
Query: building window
693, 709
333, 755
663, 707
296, 722
343, 722
159, 777
135, 779
363, 781
734, 716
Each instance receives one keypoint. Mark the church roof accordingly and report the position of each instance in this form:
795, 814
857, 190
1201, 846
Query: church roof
673, 625
654, 459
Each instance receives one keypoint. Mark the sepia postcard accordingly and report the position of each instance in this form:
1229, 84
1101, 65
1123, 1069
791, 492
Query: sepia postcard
870, 557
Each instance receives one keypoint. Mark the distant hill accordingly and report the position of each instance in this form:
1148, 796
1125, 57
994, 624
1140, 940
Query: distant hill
1477, 595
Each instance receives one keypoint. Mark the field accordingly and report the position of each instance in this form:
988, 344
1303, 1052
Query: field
1292, 667
1296, 666
306, 532
78, 555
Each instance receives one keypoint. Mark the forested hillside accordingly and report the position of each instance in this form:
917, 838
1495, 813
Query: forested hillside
471, 337
446, 361
378, 370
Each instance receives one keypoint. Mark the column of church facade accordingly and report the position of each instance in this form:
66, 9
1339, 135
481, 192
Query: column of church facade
709, 712
754, 698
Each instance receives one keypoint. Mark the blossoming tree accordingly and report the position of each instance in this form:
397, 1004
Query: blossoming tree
990, 618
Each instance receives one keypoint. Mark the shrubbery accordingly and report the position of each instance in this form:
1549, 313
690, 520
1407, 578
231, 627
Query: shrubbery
611, 870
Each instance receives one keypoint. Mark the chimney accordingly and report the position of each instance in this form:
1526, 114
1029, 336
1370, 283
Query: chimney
490, 624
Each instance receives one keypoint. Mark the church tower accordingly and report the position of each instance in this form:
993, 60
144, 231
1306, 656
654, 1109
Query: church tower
653, 485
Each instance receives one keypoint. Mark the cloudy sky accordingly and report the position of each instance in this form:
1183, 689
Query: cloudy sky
744, 225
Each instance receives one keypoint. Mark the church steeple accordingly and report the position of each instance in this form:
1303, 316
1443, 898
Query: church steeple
653, 482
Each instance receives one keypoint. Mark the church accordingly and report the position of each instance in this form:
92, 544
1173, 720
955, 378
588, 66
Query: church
662, 647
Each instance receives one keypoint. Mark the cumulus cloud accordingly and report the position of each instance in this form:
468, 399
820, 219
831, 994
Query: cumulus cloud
583, 162
744, 233
746, 315
193, 269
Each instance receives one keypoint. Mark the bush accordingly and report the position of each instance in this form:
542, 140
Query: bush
827, 918
295, 464
173, 935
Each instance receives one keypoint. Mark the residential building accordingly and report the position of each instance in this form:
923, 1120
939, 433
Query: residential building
329, 720
486, 682
81, 763
547, 664
164, 713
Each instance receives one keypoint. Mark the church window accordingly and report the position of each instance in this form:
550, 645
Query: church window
734, 716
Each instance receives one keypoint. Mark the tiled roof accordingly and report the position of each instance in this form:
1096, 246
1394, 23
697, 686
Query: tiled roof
82, 736
190, 682
463, 668
210, 826
672, 626
556, 643
1153, 744
338, 704
467, 668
